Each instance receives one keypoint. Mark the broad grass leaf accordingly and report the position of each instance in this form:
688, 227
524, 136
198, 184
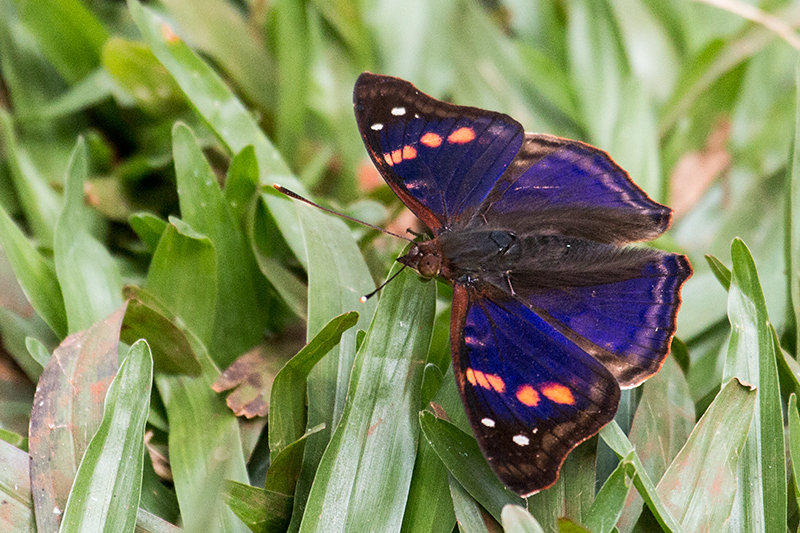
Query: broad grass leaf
204, 447
700, 484
239, 318
183, 277
337, 278
67, 410
761, 499
364, 475
107, 488
89, 277
15, 490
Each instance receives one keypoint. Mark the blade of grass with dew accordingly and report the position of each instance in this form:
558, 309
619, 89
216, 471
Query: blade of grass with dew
365, 473
337, 278
67, 410
240, 318
107, 488
15, 490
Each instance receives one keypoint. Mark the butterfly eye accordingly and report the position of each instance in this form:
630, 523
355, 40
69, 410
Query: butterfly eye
429, 266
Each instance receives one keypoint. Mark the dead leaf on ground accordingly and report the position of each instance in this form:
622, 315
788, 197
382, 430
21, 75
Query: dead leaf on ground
252, 374
696, 171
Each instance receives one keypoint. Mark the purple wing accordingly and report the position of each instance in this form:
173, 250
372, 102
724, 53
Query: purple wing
627, 325
440, 159
530, 393
563, 187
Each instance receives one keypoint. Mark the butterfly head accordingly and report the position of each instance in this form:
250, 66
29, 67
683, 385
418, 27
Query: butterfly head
425, 258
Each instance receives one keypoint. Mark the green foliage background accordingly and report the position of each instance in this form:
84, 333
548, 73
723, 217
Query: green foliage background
138, 148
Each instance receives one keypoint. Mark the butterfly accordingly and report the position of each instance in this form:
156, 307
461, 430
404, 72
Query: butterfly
552, 313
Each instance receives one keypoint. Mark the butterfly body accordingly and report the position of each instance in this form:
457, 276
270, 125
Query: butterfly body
553, 312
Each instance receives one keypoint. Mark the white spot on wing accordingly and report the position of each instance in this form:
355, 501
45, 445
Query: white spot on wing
377, 126
488, 422
521, 440
398, 111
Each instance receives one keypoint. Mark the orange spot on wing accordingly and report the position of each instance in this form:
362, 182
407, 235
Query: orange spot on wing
496, 382
409, 152
388, 159
461, 136
431, 140
527, 395
558, 393
397, 156
480, 377
487, 381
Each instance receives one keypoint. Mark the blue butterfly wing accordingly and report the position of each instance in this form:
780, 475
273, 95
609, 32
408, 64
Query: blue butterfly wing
530, 393
627, 325
440, 159
564, 187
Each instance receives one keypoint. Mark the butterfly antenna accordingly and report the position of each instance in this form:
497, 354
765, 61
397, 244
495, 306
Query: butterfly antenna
366, 297
296, 196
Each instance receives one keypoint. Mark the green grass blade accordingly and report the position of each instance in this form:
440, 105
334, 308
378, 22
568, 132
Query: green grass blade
35, 274
721, 272
39, 201
88, 275
794, 444
662, 424
183, 276
70, 35
67, 410
471, 518
149, 523
429, 507
604, 513
287, 421
107, 488
363, 478
792, 230
337, 278
751, 358
239, 319
226, 115
700, 484
15, 490
261, 510
166, 335
204, 447
613, 435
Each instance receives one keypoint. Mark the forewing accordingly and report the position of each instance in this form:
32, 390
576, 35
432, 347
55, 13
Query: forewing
440, 159
565, 187
627, 325
531, 395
